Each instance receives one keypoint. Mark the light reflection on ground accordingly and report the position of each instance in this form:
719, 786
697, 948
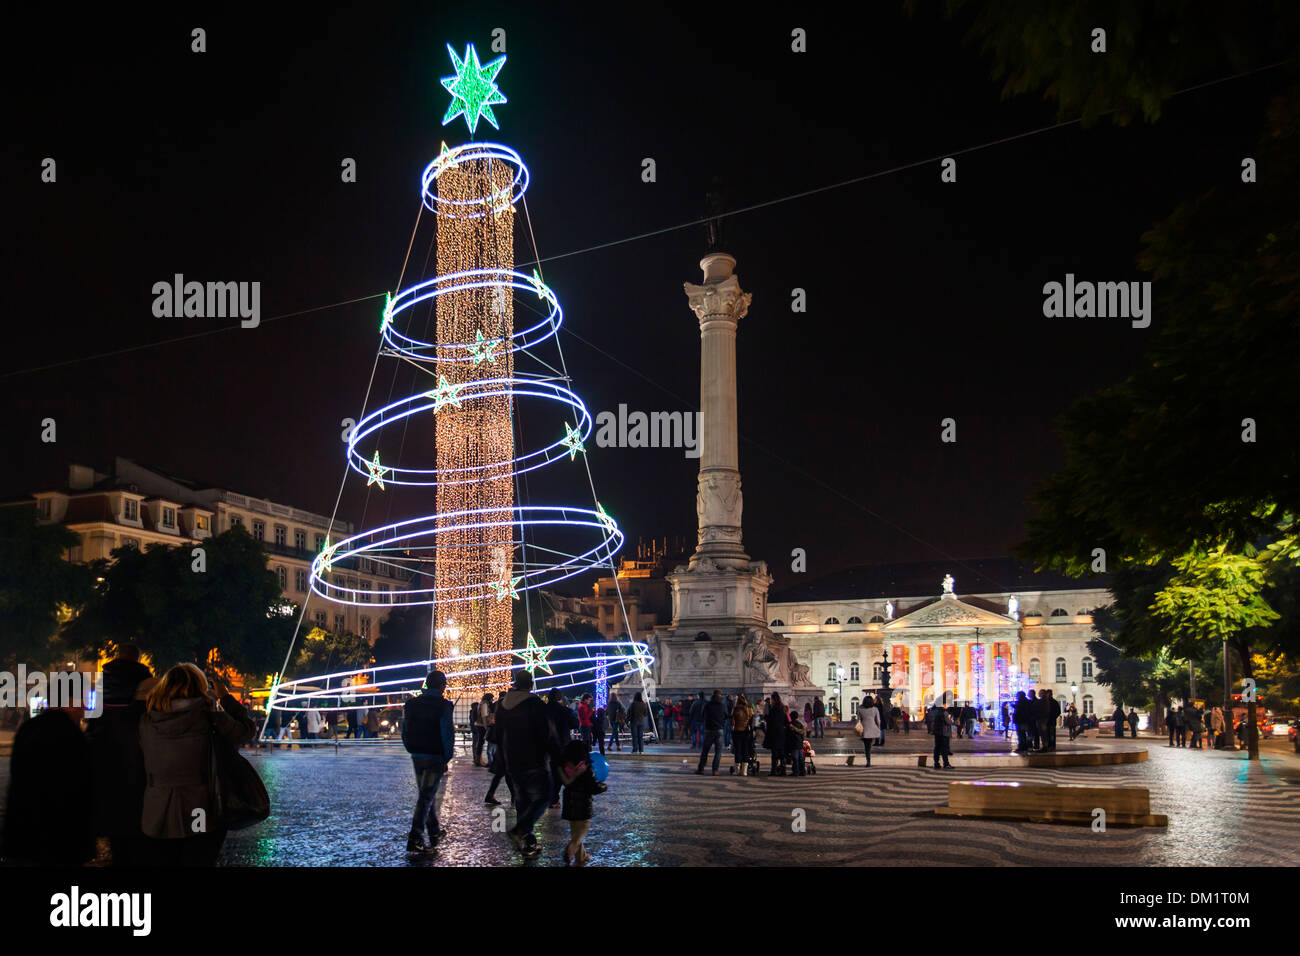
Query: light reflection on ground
352, 809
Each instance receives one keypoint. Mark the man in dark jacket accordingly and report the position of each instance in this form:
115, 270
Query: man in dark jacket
429, 736
697, 720
774, 733
1022, 716
527, 742
819, 718
617, 717
1034, 713
122, 675
714, 717
1133, 722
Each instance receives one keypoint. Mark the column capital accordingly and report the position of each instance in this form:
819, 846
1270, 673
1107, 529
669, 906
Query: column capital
722, 299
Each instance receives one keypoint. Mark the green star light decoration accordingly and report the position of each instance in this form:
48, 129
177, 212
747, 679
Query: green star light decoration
327, 556
473, 88
534, 657
388, 311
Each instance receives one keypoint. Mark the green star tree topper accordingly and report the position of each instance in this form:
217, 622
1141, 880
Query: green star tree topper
473, 88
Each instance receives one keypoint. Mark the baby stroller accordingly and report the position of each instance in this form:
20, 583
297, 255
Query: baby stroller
751, 765
809, 765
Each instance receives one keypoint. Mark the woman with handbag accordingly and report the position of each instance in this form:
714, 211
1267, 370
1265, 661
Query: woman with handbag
868, 725
742, 736
183, 813
774, 735
941, 726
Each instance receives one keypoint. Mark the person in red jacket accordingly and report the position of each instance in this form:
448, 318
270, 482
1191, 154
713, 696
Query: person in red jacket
585, 712
669, 715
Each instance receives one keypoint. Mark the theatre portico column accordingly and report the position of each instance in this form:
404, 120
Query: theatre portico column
913, 678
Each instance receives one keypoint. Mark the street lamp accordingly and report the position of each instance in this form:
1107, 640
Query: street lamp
839, 672
449, 633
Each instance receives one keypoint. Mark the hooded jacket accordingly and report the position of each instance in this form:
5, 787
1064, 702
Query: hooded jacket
714, 714
427, 727
527, 738
178, 761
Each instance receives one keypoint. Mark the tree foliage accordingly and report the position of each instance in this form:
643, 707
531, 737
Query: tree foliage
37, 586
321, 652
156, 599
1153, 49
403, 636
1188, 468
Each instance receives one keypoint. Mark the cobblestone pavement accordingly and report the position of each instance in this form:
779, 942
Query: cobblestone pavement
352, 809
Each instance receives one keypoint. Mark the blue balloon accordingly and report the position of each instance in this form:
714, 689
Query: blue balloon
599, 767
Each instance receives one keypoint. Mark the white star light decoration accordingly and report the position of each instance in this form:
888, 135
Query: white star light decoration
377, 472
606, 521
327, 556
482, 347
534, 657
641, 661
440, 164
573, 441
506, 586
445, 394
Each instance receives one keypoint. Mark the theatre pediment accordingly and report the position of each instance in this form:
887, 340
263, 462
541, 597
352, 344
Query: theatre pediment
950, 612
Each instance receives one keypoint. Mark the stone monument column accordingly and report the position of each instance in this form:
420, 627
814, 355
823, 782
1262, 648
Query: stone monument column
719, 305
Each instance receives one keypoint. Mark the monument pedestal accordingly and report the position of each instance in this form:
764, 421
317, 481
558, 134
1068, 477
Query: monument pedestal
719, 637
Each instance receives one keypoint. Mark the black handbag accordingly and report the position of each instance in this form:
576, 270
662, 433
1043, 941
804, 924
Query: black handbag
239, 796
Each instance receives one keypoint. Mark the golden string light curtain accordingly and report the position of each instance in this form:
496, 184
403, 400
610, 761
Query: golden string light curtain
477, 435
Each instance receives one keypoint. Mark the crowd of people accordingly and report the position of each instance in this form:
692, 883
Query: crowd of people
541, 749
1206, 730
145, 765
147, 760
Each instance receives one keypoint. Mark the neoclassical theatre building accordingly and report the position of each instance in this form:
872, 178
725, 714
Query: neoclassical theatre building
967, 631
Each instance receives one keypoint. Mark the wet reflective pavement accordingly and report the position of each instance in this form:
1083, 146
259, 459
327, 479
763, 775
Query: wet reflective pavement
353, 808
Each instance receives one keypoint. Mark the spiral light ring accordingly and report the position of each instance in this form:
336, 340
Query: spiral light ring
480, 389
477, 206
390, 685
393, 544
398, 343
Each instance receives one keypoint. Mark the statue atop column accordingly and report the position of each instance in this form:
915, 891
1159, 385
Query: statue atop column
714, 205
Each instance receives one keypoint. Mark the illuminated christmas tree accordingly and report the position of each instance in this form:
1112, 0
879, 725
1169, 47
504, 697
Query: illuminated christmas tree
463, 329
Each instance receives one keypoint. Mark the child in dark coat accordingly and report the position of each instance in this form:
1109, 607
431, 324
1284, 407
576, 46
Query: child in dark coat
580, 785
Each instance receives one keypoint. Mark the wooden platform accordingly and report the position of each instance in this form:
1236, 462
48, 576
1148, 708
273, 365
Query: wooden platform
1051, 803
972, 760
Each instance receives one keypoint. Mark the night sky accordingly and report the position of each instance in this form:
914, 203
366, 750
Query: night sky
924, 298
